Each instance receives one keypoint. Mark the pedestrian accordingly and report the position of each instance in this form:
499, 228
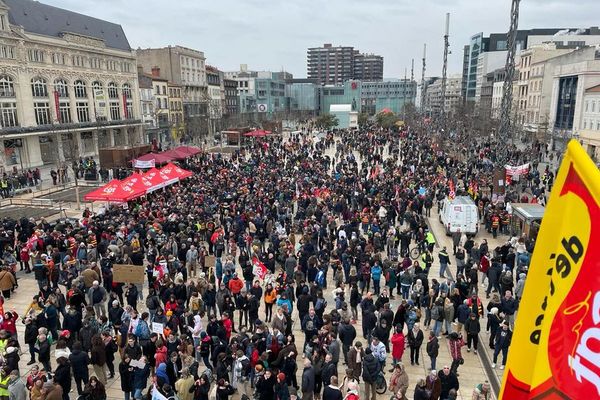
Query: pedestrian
370, 372
501, 344
332, 391
433, 385
399, 381
398, 346
449, 382
308, 380
421, 392
482, 391
455, 343
432, 348
415, 340
98, 358
79, 364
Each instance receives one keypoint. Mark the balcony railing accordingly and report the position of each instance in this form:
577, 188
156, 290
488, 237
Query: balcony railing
61, 127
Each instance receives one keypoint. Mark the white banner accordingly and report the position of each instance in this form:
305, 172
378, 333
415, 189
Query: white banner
100, 103
516, 171
143, 164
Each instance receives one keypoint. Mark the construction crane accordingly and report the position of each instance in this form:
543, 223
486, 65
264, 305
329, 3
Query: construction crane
444, 72
423, 87
505, 131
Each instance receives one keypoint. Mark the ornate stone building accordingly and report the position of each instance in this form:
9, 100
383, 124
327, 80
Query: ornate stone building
68, 85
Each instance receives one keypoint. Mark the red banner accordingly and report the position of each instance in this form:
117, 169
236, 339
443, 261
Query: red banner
125, 106
57, 106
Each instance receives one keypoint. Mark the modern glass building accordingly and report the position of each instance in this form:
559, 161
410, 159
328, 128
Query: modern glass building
302, 95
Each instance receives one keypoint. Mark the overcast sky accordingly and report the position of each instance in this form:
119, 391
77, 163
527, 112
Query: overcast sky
274, 34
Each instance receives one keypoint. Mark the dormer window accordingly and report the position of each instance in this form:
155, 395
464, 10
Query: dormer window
4, 22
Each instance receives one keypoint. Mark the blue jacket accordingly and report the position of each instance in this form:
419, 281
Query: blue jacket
376, 272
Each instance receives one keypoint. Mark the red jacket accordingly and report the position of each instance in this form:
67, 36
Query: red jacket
398, 343
228, 326
455, 346
9, 324
160, 356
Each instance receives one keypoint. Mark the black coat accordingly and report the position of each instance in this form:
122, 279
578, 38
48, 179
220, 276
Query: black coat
265, 388
332, 394
448, 382
62, 376
371, 368
347, 334
31, 333
79, 363
127, 376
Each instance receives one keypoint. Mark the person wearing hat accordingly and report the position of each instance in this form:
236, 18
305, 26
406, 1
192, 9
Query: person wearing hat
281, 388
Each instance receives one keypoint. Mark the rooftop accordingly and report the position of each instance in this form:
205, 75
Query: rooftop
43, 19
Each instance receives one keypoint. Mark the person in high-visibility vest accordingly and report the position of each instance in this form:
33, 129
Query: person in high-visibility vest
495, 225
430, 240
4, 187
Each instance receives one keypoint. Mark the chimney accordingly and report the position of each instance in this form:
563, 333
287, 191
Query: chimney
156, 71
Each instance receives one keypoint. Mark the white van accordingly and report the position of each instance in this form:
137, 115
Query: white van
459, 215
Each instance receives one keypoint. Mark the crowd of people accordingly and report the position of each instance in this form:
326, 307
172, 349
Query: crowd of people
251, 250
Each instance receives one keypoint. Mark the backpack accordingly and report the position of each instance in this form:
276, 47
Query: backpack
142, 331
246, 368
320, 304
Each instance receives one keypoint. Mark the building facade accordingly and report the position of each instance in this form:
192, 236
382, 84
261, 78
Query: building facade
147, 102
540, 89
497, 42
231, 97
433, 95
391, 94
589, 135
571, 83
368, 67
69, 85
302, 96
331, 65
185, 67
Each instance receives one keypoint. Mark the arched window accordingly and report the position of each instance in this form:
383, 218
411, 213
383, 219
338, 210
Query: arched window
113, 92
127, 90
39, 87
61, 87
8, 104
128, 101
80, 89
7, 88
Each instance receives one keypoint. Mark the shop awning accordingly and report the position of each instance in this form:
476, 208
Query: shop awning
257, 133
151, 160
172, 171
103, 192
157, 179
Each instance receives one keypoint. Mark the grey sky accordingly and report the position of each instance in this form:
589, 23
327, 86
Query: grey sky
274, 34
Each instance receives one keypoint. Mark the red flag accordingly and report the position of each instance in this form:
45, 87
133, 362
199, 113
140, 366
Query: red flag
258, 268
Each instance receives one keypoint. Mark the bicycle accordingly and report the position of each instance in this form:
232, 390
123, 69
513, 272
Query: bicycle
380, 383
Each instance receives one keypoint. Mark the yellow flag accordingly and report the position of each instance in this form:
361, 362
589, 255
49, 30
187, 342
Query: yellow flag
555, 349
